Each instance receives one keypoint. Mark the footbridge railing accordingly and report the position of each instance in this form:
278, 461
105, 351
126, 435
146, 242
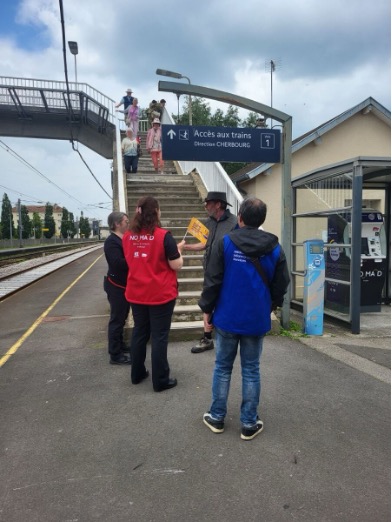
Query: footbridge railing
27, 96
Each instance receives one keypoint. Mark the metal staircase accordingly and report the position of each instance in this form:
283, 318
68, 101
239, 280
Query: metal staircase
179, 200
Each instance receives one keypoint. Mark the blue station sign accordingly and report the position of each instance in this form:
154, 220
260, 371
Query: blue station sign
186, 142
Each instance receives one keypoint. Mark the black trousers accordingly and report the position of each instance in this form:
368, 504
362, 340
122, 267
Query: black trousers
119, 310
131, 163
151, 321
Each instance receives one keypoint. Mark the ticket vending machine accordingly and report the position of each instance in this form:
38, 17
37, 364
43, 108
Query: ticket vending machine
373, 261
314, 283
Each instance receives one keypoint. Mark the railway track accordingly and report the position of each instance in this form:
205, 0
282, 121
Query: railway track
15, 276
10, 257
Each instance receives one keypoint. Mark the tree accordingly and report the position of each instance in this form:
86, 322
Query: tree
37, 225
84, 226
26, 222
72, 227
231, 118
49, 221
218, 118
7, 220
250, 120
67, 226
201, 112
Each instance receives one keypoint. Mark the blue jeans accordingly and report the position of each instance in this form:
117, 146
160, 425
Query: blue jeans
251, 347
130, 164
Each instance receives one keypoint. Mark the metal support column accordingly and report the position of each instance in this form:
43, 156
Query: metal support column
355, 268
286, 214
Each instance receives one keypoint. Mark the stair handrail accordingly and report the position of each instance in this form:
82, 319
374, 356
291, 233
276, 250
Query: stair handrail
213, 175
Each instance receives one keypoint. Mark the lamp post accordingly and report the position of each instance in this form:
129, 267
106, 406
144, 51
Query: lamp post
73, 47
178, 76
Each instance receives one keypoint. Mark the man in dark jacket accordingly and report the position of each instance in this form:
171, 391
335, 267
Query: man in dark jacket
220, 222
237, 303
114, 286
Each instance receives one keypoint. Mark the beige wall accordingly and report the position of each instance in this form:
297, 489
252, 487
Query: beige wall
360, 135
57, 216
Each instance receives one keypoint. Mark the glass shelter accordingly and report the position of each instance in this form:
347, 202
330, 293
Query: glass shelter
347, 205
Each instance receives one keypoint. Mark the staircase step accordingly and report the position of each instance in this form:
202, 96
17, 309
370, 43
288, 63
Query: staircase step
184, 313
176, 222
186, 331
188, 298
193, 260
190, 283
190, 271
179, 200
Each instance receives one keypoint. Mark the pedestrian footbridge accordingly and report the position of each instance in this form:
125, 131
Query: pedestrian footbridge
31, 108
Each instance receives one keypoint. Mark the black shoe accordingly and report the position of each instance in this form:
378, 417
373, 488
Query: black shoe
217, 426
137, 381
171, 383
120, 359
203, 345
250, 433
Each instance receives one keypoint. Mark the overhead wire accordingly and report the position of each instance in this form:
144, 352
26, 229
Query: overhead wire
26, 163
69, 98
20, 193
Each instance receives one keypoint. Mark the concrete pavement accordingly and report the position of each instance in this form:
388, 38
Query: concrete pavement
80, 443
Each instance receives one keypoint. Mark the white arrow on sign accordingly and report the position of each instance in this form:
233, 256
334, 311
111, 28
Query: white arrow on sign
171, 133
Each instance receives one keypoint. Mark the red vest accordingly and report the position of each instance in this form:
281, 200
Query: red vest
150, 281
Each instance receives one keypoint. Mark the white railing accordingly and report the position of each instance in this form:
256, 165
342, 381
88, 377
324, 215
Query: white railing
143, 125
213, 175
31, 83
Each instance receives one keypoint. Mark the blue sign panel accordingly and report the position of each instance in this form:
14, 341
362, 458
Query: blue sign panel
185, 142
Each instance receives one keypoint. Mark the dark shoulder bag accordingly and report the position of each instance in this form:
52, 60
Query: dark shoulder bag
260, 270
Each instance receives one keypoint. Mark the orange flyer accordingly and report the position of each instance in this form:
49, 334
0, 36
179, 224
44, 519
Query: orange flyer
198, 230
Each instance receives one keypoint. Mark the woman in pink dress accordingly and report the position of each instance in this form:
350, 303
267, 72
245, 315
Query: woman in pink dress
133, 117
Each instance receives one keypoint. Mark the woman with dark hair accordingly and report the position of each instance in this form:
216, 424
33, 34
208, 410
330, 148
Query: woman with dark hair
153, 259
114, 286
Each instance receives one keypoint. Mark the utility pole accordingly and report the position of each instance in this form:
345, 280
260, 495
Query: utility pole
20, 223
11, 223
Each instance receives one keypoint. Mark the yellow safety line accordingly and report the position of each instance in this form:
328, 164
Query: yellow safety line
38, 321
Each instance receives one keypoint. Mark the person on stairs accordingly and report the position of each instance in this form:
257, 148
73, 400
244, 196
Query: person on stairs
130, 148
154, 145
219, 223
133, 117
126, 101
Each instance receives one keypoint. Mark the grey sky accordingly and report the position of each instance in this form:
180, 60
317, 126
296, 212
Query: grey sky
333, 55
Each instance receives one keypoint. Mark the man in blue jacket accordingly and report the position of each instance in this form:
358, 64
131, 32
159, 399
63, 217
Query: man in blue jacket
237, 303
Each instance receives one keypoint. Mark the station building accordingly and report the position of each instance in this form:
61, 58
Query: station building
341, 181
